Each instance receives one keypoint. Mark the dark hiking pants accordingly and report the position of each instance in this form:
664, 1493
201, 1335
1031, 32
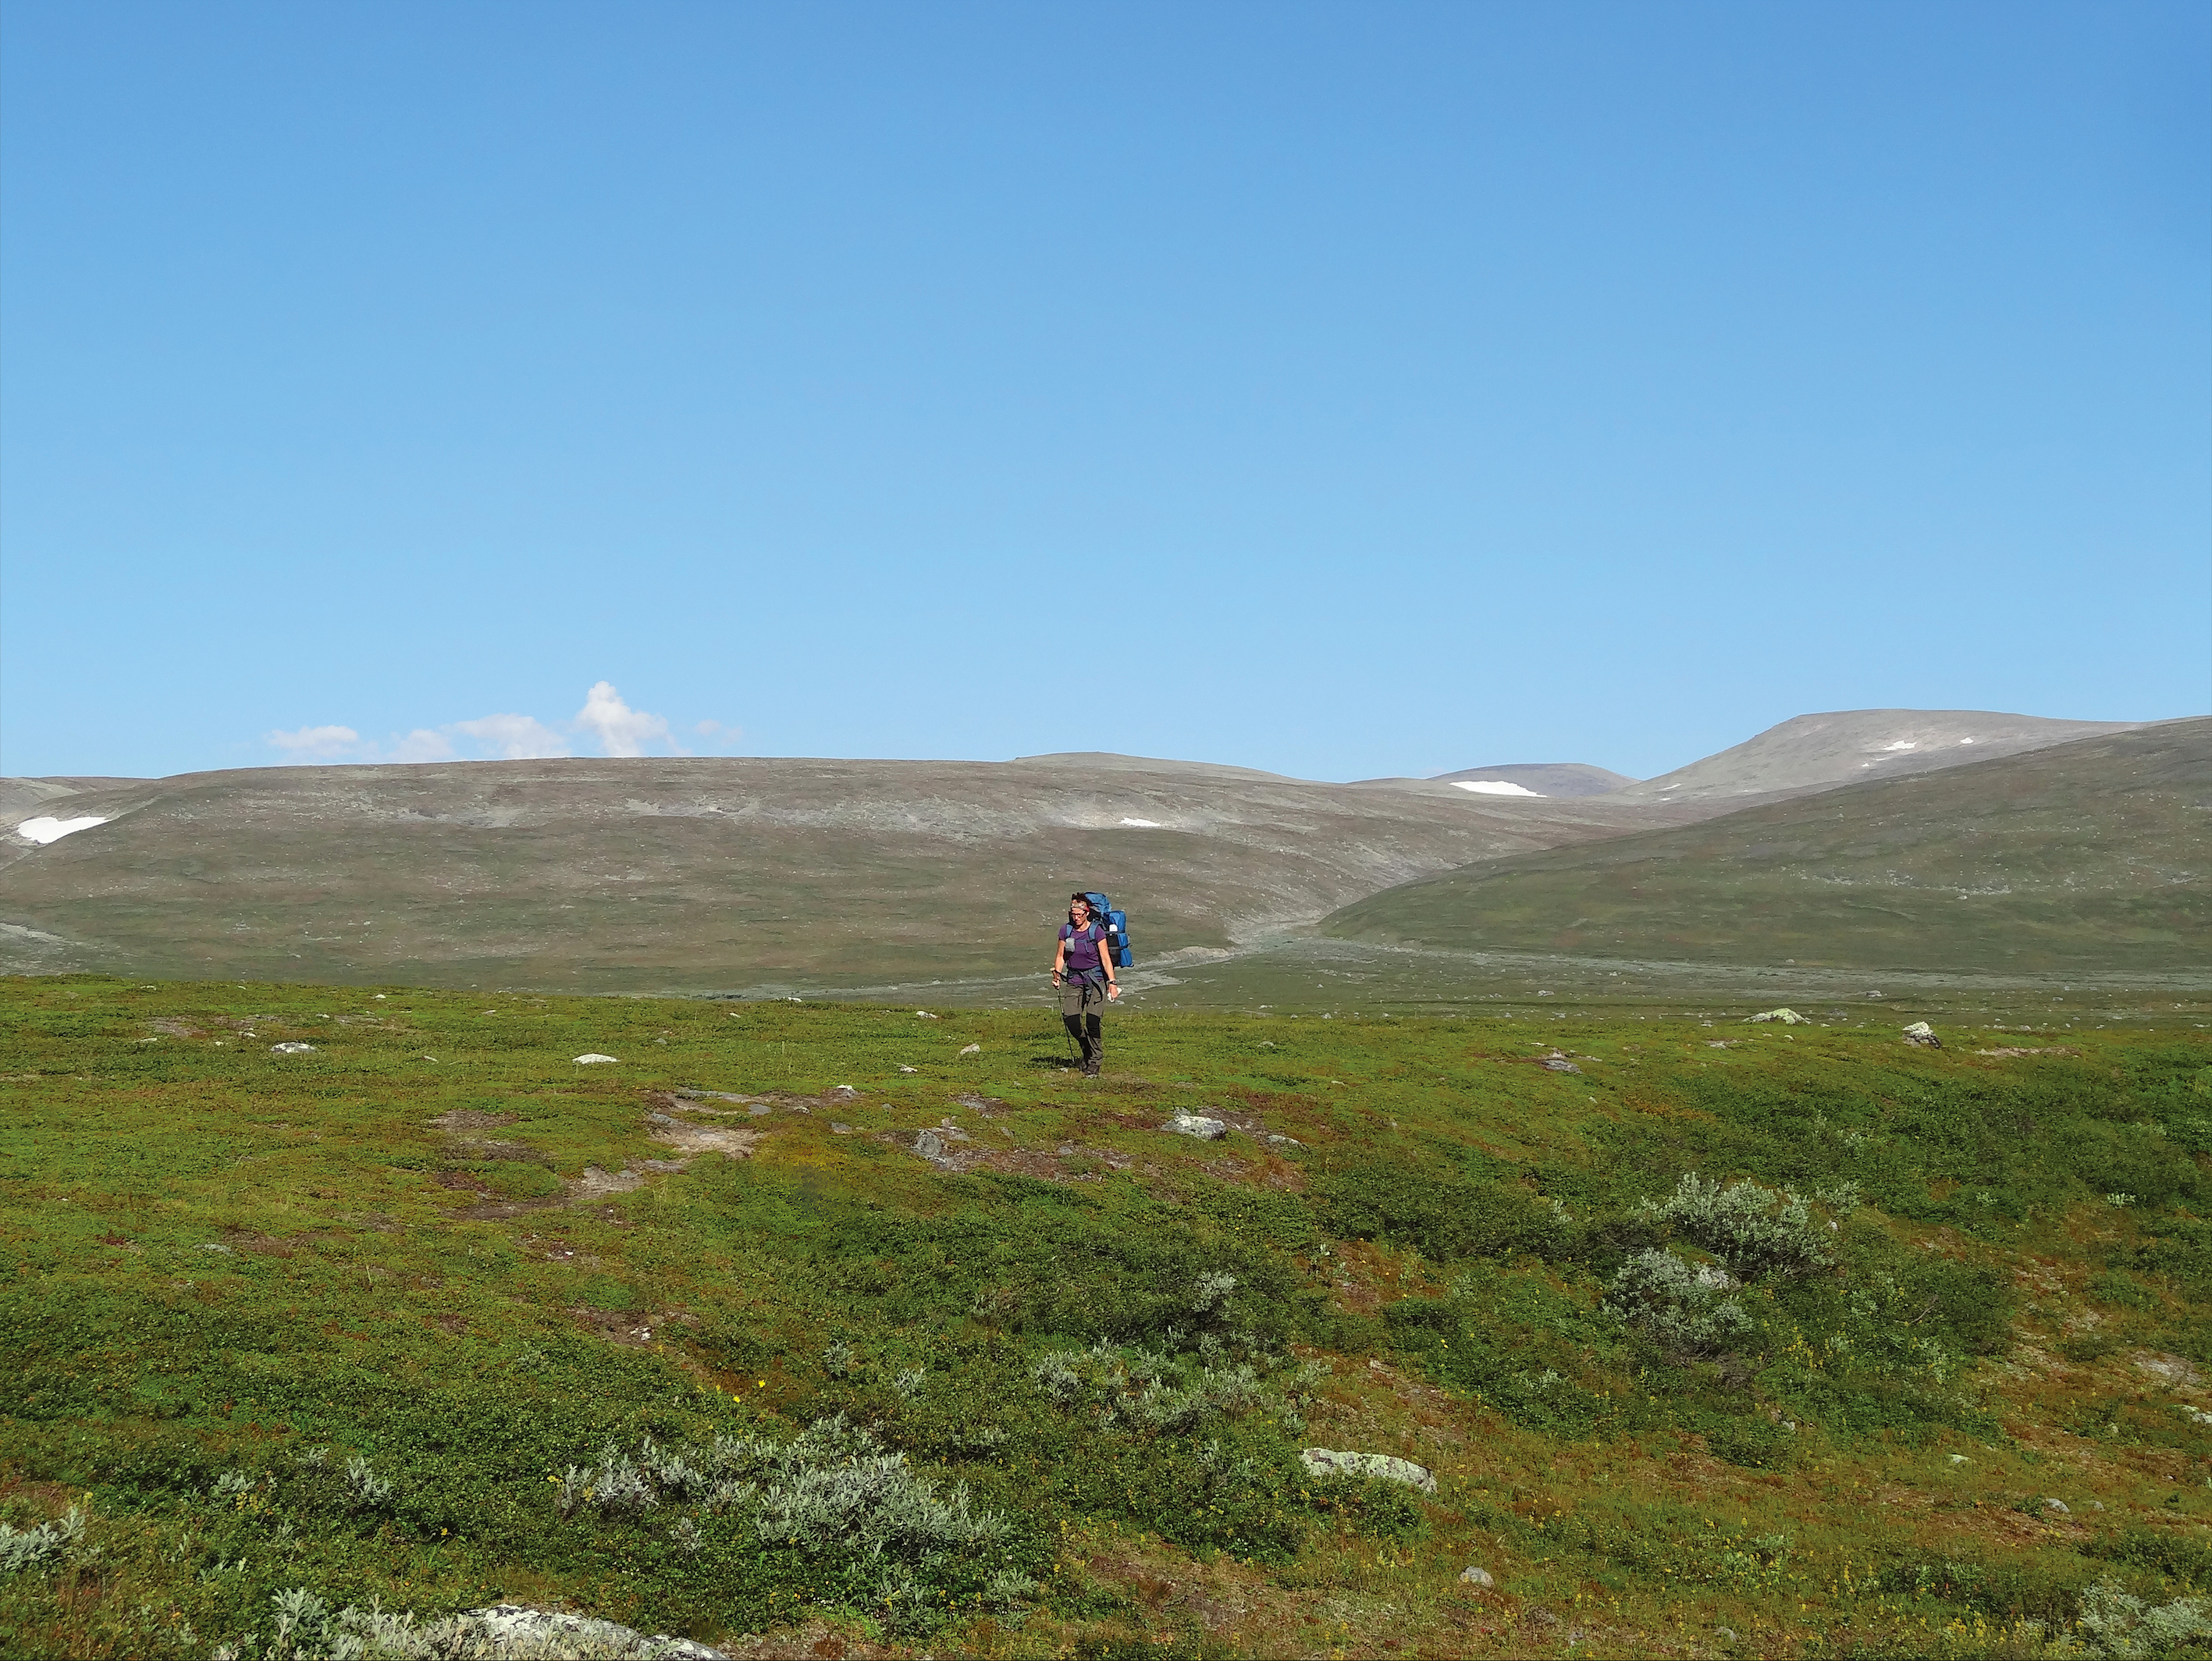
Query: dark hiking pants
1081, 1007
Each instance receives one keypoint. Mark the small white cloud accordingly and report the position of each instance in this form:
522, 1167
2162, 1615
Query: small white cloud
621, 730
421, 744
318, 743
513, 738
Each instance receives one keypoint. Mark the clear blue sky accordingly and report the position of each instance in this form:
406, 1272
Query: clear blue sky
1338, 389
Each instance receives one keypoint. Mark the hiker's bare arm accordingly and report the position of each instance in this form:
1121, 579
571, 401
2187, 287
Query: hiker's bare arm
1059, 961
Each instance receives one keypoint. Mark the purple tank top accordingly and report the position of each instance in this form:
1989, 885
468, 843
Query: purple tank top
1083, 962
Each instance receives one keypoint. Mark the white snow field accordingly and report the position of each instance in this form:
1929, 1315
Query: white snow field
1495, 787
46, 828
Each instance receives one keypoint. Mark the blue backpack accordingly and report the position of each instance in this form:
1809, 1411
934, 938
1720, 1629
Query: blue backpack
1117, 929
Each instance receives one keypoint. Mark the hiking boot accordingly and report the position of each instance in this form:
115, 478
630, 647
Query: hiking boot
1091, 1067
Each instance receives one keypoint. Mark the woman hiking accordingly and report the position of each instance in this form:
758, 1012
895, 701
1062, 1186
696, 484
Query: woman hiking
1083, 970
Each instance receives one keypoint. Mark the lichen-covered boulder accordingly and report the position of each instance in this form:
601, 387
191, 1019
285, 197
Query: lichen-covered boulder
1328, 1462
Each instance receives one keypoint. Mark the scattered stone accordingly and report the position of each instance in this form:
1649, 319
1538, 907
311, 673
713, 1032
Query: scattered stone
1328, 1462
1961, 1459
596, 1183
291, 1050
1787, 1016
929, 1145
1475, 1575
925, 1015
836, 1129
593, 1058
1558, 1063
1284, 1141
2058, 1508
1923, 1035
909, 1069
1192, 1124
973, 1050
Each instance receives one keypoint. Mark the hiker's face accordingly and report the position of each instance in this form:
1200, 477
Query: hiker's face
1079, 913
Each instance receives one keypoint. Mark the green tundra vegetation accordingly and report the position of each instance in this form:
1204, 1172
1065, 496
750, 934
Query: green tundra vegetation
820, 1330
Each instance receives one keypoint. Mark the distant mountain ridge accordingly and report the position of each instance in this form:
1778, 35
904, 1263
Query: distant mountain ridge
1852, 747
654, 874
2092, 855
711, 872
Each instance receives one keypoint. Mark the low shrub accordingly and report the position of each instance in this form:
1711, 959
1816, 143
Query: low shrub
1686, 1309
1753, 1230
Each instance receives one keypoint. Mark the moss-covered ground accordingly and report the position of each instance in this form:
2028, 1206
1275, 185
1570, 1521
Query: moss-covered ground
386, 1318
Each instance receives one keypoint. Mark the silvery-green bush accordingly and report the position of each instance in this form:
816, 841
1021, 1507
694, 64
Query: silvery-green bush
833, 1486
43, 1546
1684, 1306
2118, 1623
365, 1490
1753, 1230
1145, 1388
305, 1627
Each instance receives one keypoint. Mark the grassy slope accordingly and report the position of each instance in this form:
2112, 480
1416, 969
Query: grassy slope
219, 1260
2093, 855
683, 875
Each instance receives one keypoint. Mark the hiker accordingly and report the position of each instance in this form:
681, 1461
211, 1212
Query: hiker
1083, 970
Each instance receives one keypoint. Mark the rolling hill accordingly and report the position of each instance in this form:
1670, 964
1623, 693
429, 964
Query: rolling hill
1858, 746
2095, 853
710, 874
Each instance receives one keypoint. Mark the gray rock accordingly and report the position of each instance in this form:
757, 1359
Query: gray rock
1192, 1124
2058, 1508
291, 1050
930, 1145
1284, 1141
1328, 1462
1475, 1575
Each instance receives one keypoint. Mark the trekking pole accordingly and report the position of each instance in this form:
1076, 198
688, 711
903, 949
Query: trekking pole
1066, 1039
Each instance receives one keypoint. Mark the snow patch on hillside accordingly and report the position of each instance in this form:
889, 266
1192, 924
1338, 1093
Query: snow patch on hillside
46, 828
1494, 788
